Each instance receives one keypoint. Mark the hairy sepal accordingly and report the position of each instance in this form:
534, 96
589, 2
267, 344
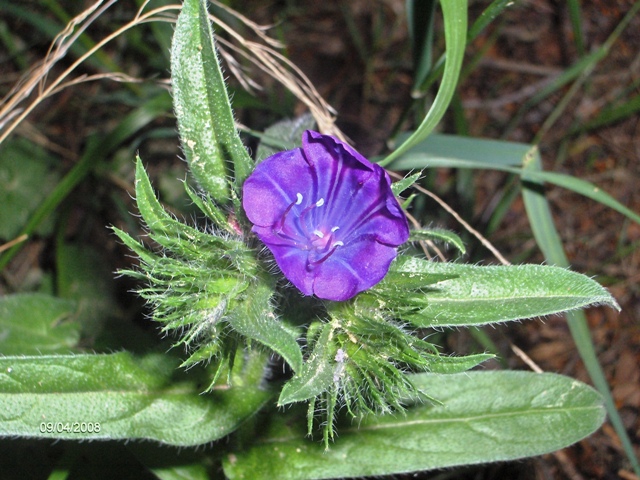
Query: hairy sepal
206, 287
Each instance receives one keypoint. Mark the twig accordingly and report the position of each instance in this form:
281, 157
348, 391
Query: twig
287, 73
626, 475
460, 220
567, 466
525, 358
487, 244
264, 56
13, 242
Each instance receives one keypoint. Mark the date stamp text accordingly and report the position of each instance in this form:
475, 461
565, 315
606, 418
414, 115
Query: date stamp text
70, 427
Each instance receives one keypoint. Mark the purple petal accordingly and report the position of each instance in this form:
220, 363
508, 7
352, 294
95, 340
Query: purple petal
328, 215
345, 176
273, 186
293, 263
353, 270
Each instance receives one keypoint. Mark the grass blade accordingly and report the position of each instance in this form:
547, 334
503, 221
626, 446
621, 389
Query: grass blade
579, 71
611, 114
550, 243
576, 24
452, 151
486, 17
420, 17
455, 32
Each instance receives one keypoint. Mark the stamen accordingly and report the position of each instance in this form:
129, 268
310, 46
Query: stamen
334, 247
318, 233
299, 198
280, 223
303, 216
280, 227
338, 244
335, 229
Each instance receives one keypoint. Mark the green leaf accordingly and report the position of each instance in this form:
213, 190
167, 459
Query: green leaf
145, 255
440, 148
212, 212
166, 230
26, 176
153, 214
405, 274
283, 135
33, 323
120, 397
479, 295
181, 239
491, 12
401, 185
610, 114
255, 319
449, 365
455, 34
316, 375
205, 119
483, 417
439, 235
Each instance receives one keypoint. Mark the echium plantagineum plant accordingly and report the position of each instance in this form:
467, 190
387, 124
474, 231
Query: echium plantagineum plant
309, 256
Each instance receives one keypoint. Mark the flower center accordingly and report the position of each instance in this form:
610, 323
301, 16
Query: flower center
309, 230
324, 239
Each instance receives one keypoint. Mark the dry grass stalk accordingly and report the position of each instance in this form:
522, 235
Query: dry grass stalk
270, 61
12, 114
263, 55
483, 240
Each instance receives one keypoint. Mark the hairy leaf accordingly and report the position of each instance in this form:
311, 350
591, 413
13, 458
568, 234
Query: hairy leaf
316, 375
117, 396
477, 295
255, 319
401, 185
33, 323
205, 120
439, 235
483, 417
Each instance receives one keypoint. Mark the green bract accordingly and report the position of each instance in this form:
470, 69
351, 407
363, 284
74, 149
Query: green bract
208, 287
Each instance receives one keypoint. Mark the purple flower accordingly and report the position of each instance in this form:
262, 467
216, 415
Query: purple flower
328, 215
